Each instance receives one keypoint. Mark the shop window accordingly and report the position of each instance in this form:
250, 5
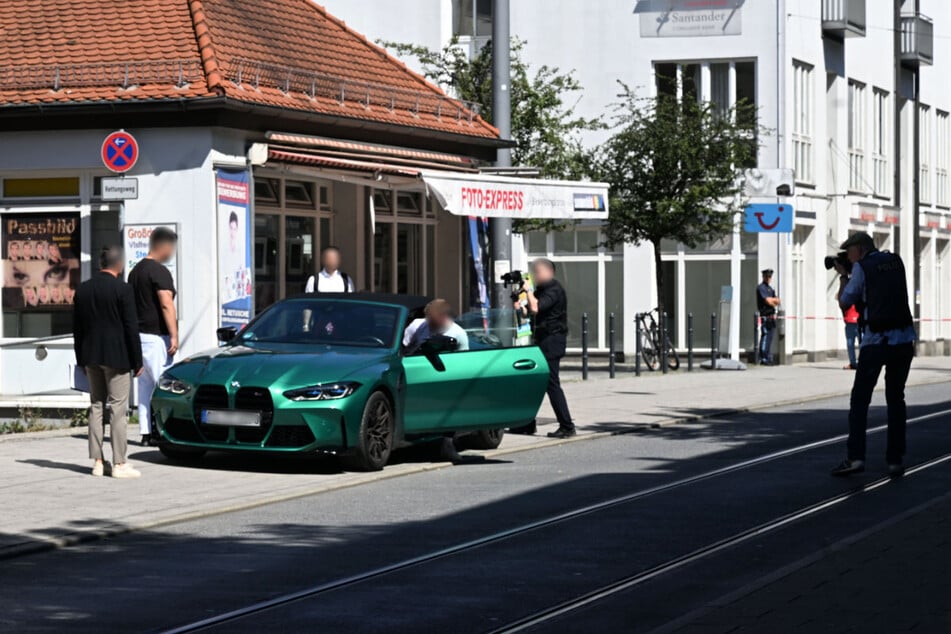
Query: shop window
382, 202
537, 243
703, 280
67, 187
580, 280
564, 241
266, 191
324, 196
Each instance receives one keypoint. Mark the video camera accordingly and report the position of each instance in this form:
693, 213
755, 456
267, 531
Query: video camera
516, 281
841, 258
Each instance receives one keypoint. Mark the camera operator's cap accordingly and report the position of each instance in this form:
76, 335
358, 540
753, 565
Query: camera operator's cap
858, 239
767, 271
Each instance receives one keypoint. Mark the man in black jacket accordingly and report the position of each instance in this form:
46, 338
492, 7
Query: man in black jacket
549, 305
106, 340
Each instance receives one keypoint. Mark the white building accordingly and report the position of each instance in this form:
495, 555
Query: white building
835, 80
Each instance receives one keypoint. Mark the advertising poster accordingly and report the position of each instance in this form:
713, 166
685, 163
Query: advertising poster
41, 253
479, 263
234, 247
135, 243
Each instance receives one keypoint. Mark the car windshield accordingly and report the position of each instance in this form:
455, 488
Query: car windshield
324, 322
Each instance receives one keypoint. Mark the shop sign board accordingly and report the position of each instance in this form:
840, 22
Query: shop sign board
689, 18
41, 259
235, 284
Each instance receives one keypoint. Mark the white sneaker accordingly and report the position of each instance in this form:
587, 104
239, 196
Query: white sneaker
125, 470
98, 469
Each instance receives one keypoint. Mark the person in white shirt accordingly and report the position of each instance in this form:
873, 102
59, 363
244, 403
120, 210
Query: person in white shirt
438, 321
330, 279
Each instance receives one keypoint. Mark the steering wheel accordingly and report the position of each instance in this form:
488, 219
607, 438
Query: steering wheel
373, 339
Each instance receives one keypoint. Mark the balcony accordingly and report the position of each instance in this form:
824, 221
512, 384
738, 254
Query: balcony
917, 40
843, 18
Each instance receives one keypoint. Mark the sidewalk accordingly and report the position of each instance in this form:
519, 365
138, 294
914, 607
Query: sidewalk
49, 498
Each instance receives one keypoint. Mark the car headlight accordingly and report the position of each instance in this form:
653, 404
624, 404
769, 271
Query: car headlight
324, 392
168, 383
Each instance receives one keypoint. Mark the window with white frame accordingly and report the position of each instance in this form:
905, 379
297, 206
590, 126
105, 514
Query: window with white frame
802, 124
881, 126
857, 129
472, 18
942, 159
924, 155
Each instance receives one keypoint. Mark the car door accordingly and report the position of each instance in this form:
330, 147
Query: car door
476, 389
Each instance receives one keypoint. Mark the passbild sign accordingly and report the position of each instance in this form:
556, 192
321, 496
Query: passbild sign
490, 196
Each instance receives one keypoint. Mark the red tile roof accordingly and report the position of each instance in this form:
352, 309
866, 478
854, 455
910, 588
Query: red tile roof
288, 54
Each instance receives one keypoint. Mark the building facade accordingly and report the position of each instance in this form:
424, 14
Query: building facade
849, 92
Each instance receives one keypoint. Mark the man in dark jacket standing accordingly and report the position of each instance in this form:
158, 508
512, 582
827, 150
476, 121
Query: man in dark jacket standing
549, 305
106, 340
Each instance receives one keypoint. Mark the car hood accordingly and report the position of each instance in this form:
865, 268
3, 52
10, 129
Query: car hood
278, 368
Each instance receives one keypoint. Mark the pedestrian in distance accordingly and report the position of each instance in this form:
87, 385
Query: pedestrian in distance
330, 279
107, 346
154, 292
548, 305
766, 303
878, 283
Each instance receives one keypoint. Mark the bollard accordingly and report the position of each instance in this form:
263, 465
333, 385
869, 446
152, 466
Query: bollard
757, 324
662, 339
637, 344
713, 341
611, 345
584, 346
689, 342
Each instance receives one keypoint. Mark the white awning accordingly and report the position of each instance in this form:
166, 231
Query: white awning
490, 196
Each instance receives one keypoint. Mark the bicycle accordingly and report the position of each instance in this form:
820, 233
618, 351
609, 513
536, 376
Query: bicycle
649, 332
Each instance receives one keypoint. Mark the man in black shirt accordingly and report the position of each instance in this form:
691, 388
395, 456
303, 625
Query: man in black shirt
154, 292
549, 305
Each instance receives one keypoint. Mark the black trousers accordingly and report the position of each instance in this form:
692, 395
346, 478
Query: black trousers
554, 349
897, 363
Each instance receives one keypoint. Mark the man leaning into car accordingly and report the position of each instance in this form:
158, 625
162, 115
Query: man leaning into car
438, 321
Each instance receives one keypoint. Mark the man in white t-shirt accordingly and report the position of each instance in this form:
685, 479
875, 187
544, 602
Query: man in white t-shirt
330, 279
438, 321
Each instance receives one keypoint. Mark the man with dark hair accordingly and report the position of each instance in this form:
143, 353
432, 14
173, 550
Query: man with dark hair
878, 283
154, 292
548, 304
330, 279
106, 342
766, 304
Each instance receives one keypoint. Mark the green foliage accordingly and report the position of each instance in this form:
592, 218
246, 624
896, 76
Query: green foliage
545, 128
673, 169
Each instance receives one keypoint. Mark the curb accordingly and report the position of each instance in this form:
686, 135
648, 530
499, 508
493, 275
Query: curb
46, 544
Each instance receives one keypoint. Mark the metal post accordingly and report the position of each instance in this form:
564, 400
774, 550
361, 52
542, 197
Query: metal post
611, 344
637, 344
663, 342
714, 353
689, 342
584, 346
757, 324
501, 228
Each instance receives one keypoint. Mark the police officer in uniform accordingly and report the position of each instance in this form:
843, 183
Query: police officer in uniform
878, 282
766, 303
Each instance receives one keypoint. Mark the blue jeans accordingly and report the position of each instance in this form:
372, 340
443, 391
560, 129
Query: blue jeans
897, 363
853, 335
766, 340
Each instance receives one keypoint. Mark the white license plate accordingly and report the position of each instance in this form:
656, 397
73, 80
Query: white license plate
230, 418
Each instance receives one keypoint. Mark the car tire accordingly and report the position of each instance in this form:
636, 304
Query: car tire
485, 439
182, 454
375, 440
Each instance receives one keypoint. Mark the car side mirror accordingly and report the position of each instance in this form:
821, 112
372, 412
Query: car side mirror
227, 335
436, 345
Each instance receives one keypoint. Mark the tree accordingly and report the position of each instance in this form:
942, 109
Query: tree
673, 169
545, 128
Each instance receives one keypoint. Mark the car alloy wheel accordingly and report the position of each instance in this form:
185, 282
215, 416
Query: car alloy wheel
375, 441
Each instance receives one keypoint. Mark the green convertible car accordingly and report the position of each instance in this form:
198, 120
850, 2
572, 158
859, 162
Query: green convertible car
327, 373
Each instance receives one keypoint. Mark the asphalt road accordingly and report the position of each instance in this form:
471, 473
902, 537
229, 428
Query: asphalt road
157, 580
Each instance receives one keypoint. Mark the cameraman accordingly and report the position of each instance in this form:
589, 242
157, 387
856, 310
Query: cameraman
878, 283
549, 306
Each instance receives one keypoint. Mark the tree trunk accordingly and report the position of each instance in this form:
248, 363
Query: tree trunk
659, 278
